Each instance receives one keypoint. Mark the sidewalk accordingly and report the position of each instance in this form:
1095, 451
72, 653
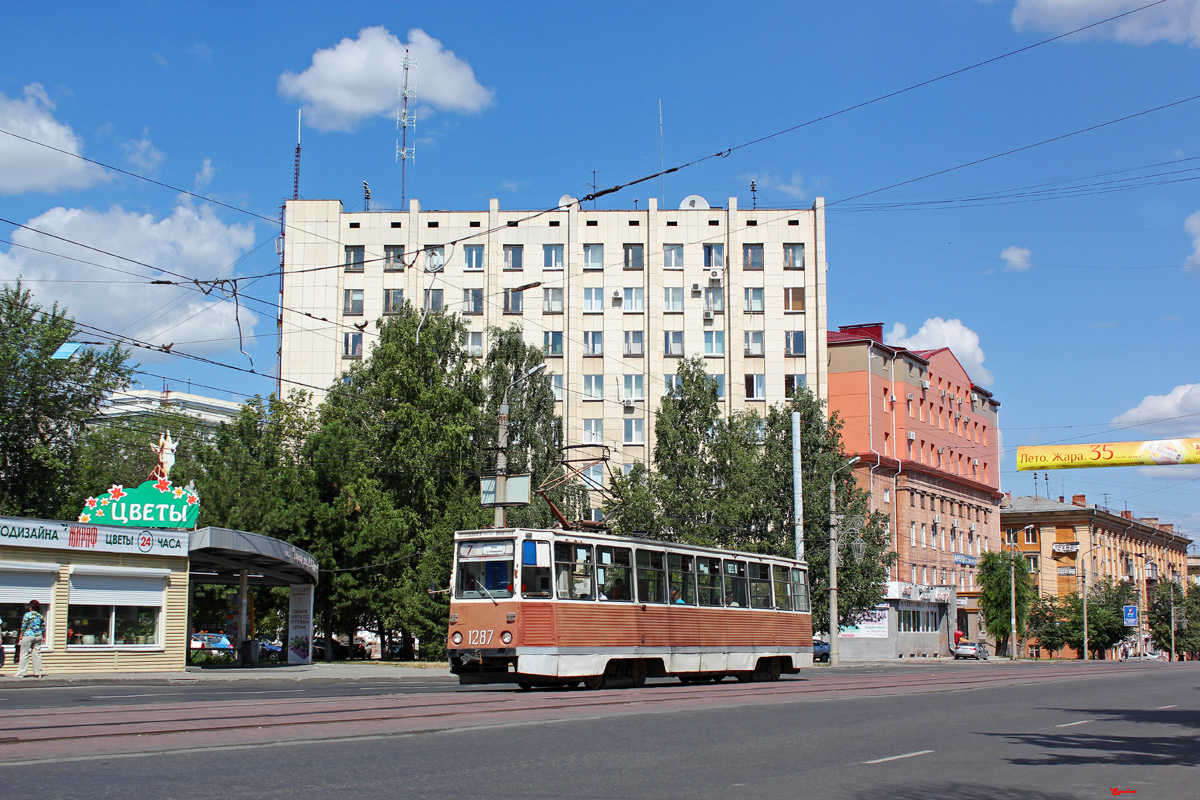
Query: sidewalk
344, 671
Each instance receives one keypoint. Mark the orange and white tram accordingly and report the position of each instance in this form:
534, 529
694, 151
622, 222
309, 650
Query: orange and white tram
555, 607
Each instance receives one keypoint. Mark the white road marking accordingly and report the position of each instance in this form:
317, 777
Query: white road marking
1160, 708
123, 696
895, 758
1069, 724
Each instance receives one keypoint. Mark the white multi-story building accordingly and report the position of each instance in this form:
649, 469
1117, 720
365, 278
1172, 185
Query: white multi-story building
613, 297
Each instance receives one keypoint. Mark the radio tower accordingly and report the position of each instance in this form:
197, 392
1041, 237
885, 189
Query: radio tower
403, 122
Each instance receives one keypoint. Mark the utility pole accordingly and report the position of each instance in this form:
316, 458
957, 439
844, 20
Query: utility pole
1085, 599
1012, 587
502, 445
797, 486
834, 553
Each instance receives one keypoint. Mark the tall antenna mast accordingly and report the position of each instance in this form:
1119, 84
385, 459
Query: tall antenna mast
403, 122
296, 174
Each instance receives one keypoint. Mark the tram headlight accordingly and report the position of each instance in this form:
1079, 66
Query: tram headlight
506, 637
456, 637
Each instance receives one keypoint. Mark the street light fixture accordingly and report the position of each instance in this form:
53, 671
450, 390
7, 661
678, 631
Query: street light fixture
1012, 587
833, 559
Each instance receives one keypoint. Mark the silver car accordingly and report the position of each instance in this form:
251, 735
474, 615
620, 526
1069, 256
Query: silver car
975, 650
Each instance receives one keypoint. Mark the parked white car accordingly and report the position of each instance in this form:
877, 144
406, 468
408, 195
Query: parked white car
975, 650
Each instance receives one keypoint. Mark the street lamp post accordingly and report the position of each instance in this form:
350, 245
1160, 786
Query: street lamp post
502, 445
1012, 588
833, 563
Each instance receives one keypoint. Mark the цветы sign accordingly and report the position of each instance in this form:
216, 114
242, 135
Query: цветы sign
154, 504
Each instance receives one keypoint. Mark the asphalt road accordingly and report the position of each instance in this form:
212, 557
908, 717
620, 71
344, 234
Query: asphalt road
968, 731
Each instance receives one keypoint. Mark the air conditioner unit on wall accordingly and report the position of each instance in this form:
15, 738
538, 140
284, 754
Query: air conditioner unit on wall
696, 288
629, 402
618, 294
974, 462
708, 315
910, 395
941, 450
943, 392
937, 518
924, 384
972, 526
714, 275
892, 398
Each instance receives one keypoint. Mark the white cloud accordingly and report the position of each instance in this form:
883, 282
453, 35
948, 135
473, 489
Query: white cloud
26, 167
951, 333
1016, 259
205, 175
191, 242
143, 155
162, 61
1191, 227
1175, 21
201, 51
793, 187
1172, 415
359, 78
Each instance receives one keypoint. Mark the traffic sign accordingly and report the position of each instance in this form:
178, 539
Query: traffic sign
1131, 616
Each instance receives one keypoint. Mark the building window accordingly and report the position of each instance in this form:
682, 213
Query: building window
556, 383
472, 302
393, 258
353, 302
912, 535
635, 299
634, 345
474, 257
756, 387
393, 301
714, 343
435, 258
634, 432
552, 301
714, 300
672, 384
1031, 536
672, 256
793, 343
924, 543
714, 256
514, 256
352, 345
593, 343
514, 301
433, 300
593, 431
633, 256
356, 256
1033, 562
793, 384
114, 625
593, 476
720, 381
754, 343
593, 387
474, 343
593, 256
552, 343
793, 256
673, 299
593, 300
1010, 536
633, 388
752, 256
552, 256
673, 343
754, 301
793, 299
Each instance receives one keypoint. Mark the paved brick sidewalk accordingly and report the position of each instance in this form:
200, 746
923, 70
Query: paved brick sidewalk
351, 671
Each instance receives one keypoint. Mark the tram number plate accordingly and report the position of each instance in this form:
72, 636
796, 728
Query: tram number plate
479, 637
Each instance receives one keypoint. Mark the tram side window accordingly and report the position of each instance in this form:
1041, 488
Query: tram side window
682, 579
650, 571
574, 564
783, 588
535, 569
800, 590
614, 574
736, 591
708, 578
760, 585
485, 569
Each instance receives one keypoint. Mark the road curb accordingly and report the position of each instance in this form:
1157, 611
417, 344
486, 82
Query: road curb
189, 679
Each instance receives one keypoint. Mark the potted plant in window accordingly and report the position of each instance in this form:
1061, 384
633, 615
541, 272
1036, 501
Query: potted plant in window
145, 632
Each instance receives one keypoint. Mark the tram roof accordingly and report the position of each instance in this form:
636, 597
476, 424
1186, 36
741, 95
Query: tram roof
596, 536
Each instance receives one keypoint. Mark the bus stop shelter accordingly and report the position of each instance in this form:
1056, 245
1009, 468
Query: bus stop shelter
223, 556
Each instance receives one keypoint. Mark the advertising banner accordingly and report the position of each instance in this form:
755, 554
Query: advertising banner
94, 538
1111, 454
871, 624
154, 504
1068, 571
300, 624
1065, 547
1131, 616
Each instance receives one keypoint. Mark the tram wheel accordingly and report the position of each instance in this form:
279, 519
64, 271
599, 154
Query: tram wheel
637, 672
685, 678
718, 677
745, 677
594, 682
525, 687
774, 669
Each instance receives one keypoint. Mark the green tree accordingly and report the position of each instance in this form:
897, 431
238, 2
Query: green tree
1048, 621
45, 403
1168, 595
995, 594
1106, 620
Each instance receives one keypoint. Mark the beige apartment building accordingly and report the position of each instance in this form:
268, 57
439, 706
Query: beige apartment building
614, 297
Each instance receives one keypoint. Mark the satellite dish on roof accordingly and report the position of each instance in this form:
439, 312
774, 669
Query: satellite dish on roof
693, 201
566, 201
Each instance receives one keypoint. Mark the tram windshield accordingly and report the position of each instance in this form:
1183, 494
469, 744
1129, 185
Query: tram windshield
485, 569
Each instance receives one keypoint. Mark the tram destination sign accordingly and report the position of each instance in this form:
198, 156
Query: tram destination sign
19, 532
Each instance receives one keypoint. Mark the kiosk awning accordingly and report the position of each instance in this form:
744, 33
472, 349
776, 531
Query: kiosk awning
223, 553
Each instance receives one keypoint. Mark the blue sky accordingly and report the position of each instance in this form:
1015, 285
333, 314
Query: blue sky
1064, 275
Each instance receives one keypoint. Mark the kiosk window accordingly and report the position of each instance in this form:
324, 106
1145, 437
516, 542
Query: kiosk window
736, 591
574, 570
614, 574
708, 579
650, 577
682, 579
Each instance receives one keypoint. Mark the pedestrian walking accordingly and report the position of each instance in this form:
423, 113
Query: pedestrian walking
33, 633
1125, 653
